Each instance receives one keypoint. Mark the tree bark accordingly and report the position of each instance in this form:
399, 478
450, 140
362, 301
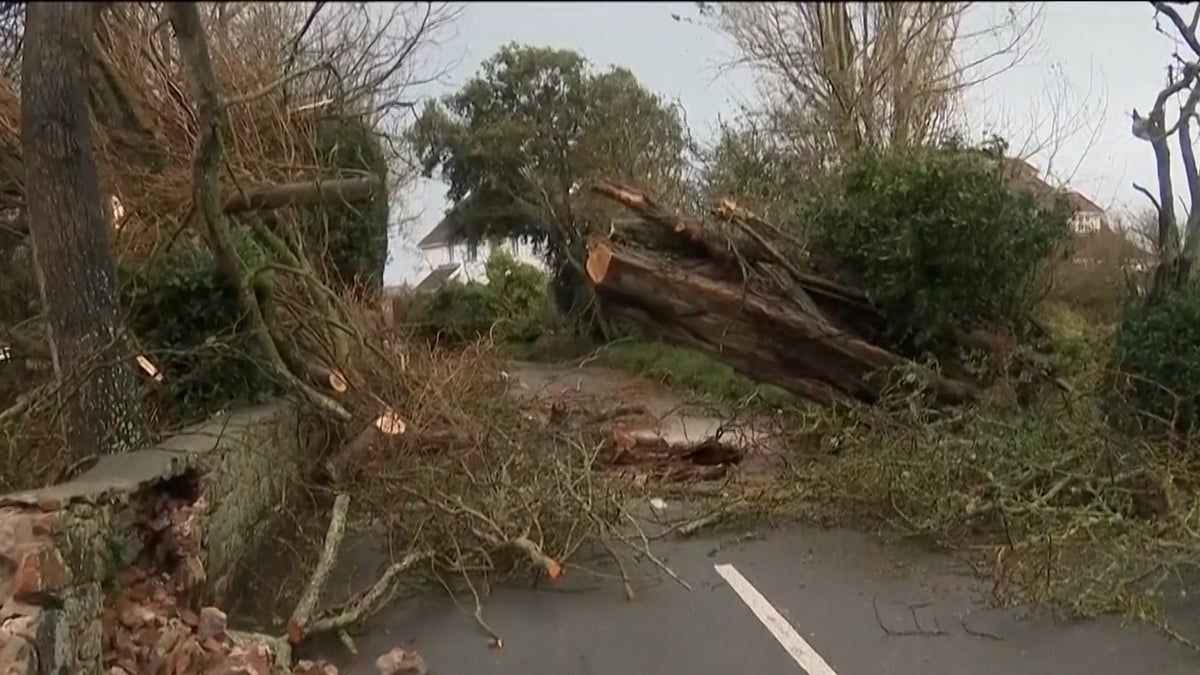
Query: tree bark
72, 239
304, 193
771, 338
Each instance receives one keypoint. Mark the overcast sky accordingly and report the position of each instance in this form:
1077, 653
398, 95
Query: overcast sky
1106, 56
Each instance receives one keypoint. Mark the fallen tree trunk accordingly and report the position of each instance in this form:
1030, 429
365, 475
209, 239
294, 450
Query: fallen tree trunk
742, 301
771, 339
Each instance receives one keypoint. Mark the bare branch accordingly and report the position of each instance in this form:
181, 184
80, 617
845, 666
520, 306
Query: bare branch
264, 91
1151, 197
871, 74
193, 49
298, 623
342, 191
1186, 31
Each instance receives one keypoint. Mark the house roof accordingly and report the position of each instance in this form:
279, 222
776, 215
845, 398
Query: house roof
437, 278
438, 237
1081, 204
1023, 174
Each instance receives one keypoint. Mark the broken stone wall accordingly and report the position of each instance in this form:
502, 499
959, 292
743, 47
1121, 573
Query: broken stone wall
62, 548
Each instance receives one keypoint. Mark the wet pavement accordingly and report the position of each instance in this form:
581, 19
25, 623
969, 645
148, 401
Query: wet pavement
803, 600
866, 608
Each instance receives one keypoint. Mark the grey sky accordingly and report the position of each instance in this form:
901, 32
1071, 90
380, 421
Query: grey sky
1108, 53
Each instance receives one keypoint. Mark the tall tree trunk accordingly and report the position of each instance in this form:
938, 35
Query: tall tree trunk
72, 239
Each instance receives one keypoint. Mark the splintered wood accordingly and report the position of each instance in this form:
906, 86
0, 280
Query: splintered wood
647, 449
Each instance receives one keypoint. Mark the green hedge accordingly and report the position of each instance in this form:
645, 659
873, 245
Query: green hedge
509, 308
186, 315
937, 238
1157, 349
353, 237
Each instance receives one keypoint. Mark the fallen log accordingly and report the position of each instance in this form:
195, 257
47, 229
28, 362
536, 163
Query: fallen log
739, 297
771, 339
304, 193
648, 450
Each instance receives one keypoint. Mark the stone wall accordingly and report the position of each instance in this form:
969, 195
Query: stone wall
62, 547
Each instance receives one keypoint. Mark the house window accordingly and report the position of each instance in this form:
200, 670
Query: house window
1086, 221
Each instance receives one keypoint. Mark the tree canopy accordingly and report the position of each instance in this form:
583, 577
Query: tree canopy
520, 139
751, 162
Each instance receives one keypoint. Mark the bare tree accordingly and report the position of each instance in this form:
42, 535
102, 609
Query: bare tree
1178, 247
1140, 228
871, 74
71, 235
1060, 119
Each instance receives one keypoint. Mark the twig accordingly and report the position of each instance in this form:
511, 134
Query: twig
904, 633
645, 549
497, 641
22, 404
553, 568
977, 633
254, 95
369, 602
348, 642
629, 594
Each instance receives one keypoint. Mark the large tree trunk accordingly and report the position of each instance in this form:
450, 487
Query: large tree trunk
72, 238
771, 338
750, 296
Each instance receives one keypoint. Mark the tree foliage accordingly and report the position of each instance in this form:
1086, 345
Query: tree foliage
352, 239
516, 143
937, 238
1157, 349
509, 308
749, 163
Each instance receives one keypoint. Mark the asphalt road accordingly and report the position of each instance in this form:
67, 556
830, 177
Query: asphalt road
850, 605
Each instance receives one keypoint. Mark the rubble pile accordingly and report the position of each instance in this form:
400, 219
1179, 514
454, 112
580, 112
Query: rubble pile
148, 627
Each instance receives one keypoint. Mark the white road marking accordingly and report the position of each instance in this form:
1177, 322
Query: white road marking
800, 651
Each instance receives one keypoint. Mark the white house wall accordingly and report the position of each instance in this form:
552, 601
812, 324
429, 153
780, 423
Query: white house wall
473, 270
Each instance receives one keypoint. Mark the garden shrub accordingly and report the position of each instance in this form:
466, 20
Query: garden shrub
937, 238
509, 308
1157, 351
455, 313
352, 238
518, 297
186, 315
